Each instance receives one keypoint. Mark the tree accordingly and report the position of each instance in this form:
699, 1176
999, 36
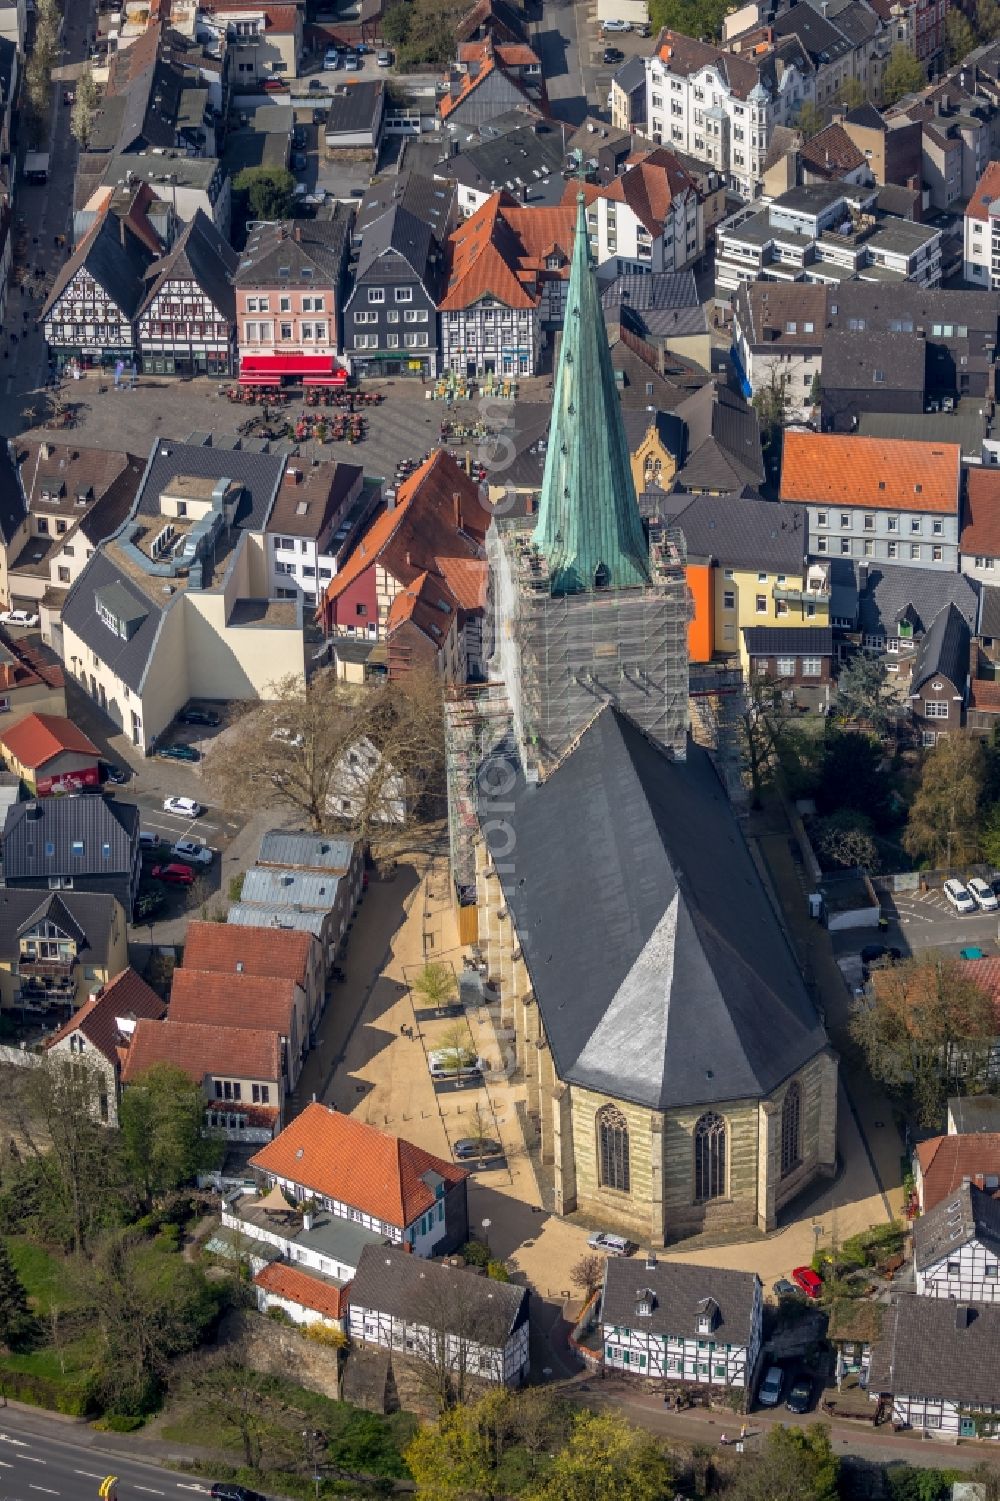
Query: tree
904, 74
426, 31
162, 1119
396, 24
811, 119
770, 403
765, 733
924, 1024
452, 1322
689, 17
16, 1321
987, 20
864, 693
989, 835
270, 191
816, 389
851, 774
587, 1274
498, 1447
227, 1388
942, 825
851, 93
81, 121
338, 755
607, 1459
845, 839
797, 1464
959, 37
436, 985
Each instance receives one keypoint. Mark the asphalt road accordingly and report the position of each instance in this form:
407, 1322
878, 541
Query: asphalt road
42, 1457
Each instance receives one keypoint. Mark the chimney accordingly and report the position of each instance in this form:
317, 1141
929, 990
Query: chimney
963, 1315
298, 234
307, 1220
33, 810
47, 450
862, 576
456, 503
293, 476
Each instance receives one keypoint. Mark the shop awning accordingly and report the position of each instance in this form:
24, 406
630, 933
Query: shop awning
260, 380
289, 364
340, 379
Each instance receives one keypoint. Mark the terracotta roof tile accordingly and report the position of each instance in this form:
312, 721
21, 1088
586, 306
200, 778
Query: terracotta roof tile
984, 694
987, 191
884, 473
945, 1161
501, 251
831, 150
40, 737
126, 995
343, 1158
648, 187
260, 1002
200, 1050
295, 1286
467, 579
981, 513
251, 951
23, 666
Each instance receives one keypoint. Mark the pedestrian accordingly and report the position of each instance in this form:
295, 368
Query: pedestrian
722, 1439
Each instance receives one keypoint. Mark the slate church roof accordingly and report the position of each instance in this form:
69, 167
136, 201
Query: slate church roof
660, 968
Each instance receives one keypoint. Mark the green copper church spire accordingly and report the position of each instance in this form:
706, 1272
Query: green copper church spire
588, 527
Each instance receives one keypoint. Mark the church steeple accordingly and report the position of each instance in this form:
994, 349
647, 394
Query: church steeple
589, 528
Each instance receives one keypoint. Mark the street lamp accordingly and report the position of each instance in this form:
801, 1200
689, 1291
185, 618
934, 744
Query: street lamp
486, 1232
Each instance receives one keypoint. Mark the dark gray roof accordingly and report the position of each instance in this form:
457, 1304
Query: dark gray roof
660, 305
657, 982
425, 197
877, 362
88, 914
126, 659
354, 107
412, 1288
678, 1293
631, 75
33, 828
13, 506
867, 116
117, 261
742, 533
887, 592
723, 441
989, 614
202, 256
879, 304
395, 236
975, 1112
788, 641
258, 473
944, 651
967, 1214
304, 253
935, 1347
525, 155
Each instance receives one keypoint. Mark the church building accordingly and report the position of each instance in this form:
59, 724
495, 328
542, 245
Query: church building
678, 1074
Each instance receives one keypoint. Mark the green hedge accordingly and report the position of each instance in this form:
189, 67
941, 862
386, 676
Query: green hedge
76, 1400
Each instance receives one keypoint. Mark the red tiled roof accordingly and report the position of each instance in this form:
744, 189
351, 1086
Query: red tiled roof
832, 151
23, 666
501, 252
232, 1052
981, 512
884, 473
984, 694
295, 1286
987, 191
469, 82
466, 578
510, 54
429, 604
945, 1161
229, 949
127, 995
261, 1002
343, 1158
40, 737
648, 186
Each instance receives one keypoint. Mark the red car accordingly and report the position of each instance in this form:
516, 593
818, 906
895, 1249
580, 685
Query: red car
810, 1282
180, 875
275, 86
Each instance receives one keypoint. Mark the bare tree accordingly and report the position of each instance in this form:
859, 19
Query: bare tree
337, 754
587, 1274
457, 1333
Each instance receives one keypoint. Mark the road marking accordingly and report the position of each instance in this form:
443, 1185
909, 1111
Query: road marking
182, 1487
4, 1465
18, 1442
43, 1488
34, 1461
149, 1490
89, 1474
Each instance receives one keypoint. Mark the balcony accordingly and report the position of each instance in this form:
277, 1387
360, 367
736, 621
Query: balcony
47, 970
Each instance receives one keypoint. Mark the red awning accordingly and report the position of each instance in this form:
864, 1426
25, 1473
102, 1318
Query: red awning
260, 380
340, 379
288, 364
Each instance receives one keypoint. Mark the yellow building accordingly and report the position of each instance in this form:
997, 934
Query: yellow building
656, 442
58, 948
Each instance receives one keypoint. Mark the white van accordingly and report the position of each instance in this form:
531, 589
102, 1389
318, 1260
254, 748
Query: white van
455, 1063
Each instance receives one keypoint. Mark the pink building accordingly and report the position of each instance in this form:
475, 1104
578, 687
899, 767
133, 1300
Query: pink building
289, 297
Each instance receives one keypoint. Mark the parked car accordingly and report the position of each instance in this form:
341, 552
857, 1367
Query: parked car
299, 137
353, 64
799, 1399
275, 86
299, 161
455, 1063
18, 617
784, 1289
614, 55
178, 753
173, 874
111, 773
149, 841
873, 952
198, 716
384, 58
228, 1490
810, 1282
331, 59
972, 952
147, 904
190, 849
958, 896
476, 1148
185, 806
611, 1245
616, 26
982, 895
316, 83
318, 195
769, 1391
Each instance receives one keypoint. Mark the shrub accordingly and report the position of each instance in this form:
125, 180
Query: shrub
169, 1238
475, 1253
279, 1316
326, 1334
119, 1422
497, 1271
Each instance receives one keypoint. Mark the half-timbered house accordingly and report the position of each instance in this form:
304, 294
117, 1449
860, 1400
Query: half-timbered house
187, 319
89, 316
956, 1247
671, 1322
452, 1318
935, 1368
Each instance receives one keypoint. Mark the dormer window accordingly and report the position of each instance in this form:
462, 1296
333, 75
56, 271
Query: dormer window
645, 1302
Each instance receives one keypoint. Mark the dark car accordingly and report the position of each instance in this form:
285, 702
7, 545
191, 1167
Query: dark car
147, 904
198, 716
174, 874
114, 774
226, 1490
316, 83
477, 1147
799, 1399
299, 137
873, 952
614, 55
178, 753
784, 1289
